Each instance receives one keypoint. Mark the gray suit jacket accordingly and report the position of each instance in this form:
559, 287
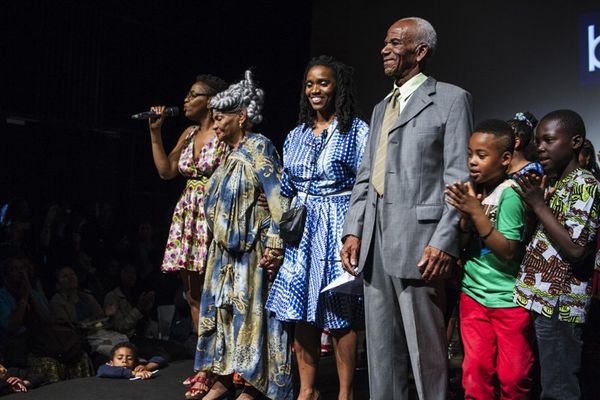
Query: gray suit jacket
427, 148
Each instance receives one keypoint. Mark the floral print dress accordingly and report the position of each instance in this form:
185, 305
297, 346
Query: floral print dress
188, 242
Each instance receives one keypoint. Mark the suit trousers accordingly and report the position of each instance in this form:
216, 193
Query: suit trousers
405, 329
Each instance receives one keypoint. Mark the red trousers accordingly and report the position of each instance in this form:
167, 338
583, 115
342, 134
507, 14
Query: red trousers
496, 341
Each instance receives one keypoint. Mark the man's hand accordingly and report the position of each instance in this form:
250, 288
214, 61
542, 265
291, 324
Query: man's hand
349, 254
434, 263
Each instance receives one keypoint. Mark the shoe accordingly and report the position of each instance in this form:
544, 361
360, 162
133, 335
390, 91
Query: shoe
200, 387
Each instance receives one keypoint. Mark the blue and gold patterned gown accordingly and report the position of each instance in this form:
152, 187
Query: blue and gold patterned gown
236, 333
309, 267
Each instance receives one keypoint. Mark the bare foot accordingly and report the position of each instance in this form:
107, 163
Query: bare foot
313, 395
218, 389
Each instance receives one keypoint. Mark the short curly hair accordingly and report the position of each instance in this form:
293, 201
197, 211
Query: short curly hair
213, 83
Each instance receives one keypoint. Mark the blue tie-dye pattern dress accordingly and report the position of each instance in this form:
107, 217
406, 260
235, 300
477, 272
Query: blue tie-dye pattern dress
307, 269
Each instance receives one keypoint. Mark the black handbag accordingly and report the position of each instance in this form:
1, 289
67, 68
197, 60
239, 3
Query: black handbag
291, 225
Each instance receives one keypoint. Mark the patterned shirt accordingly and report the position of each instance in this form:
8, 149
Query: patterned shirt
546, 280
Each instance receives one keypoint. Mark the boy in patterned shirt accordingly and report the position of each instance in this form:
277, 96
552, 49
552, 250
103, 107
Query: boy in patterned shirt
496, 333
554, 283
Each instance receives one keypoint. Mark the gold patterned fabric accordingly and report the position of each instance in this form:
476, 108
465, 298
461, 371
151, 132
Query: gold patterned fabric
236, 334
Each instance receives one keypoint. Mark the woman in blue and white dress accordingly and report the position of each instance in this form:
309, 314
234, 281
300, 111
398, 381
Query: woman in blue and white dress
320, 159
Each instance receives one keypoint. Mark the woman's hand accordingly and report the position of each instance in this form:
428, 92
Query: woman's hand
271, 261
262, 201
155, 124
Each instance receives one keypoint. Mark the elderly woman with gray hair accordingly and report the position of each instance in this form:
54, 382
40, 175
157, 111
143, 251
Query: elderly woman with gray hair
236, 333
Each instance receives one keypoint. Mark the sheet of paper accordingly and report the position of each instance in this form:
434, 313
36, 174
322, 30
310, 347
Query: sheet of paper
135, 378
347, 284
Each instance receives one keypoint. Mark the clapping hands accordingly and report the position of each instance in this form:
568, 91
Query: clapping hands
462, 196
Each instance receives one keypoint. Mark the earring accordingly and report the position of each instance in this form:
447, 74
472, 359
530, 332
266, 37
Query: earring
240, 124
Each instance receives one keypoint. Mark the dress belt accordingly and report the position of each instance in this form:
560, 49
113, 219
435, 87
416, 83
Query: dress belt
196, 182
315, 196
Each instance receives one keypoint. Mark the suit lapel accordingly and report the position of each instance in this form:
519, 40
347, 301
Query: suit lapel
418, 101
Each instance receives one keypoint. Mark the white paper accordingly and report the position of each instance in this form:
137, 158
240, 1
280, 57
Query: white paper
347, 284
135, 378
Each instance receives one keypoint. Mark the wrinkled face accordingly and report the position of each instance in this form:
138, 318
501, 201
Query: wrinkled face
196, 101
400, 51
123, 357
486, 162
319, 88
228, 126
67, 279
554, 145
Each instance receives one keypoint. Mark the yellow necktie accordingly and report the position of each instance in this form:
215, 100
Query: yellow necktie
392, 112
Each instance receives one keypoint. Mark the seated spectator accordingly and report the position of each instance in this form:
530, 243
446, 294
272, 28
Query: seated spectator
14, 380
124, 363
11, 384
81, 310
31, 338
118, 304
135, 321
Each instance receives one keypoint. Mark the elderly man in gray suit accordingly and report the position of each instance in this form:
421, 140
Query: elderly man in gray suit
399, 231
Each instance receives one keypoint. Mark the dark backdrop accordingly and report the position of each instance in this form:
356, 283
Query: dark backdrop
511, 55
74, 72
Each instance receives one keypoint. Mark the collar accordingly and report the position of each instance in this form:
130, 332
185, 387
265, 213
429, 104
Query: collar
409, 87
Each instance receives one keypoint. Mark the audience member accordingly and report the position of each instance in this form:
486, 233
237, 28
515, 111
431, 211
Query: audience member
124, 363
81, 310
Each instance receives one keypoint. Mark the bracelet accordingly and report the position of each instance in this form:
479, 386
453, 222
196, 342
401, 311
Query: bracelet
487, 235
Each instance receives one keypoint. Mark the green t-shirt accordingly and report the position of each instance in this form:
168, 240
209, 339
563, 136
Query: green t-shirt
488, 279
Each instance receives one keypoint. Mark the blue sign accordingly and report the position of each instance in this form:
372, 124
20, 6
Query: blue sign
589, 48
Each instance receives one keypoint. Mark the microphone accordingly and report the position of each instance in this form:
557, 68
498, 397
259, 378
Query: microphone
168, 112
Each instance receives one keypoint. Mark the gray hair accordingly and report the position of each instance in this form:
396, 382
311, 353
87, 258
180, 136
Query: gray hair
425, 33
244, 94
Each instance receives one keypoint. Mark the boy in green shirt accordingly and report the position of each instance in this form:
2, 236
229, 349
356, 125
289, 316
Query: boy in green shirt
495, 331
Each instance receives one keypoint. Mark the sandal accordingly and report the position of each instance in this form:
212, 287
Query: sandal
200, 387
198, 377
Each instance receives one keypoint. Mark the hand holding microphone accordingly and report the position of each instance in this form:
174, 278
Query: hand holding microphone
155, 123
156, 115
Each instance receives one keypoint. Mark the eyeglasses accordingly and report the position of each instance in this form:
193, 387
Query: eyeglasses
191, 94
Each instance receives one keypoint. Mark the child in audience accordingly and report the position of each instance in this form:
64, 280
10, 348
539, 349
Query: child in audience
554, 281
11, 384
124, 363
496, 333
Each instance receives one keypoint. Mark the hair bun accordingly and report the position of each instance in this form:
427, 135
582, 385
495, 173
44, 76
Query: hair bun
526, 117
